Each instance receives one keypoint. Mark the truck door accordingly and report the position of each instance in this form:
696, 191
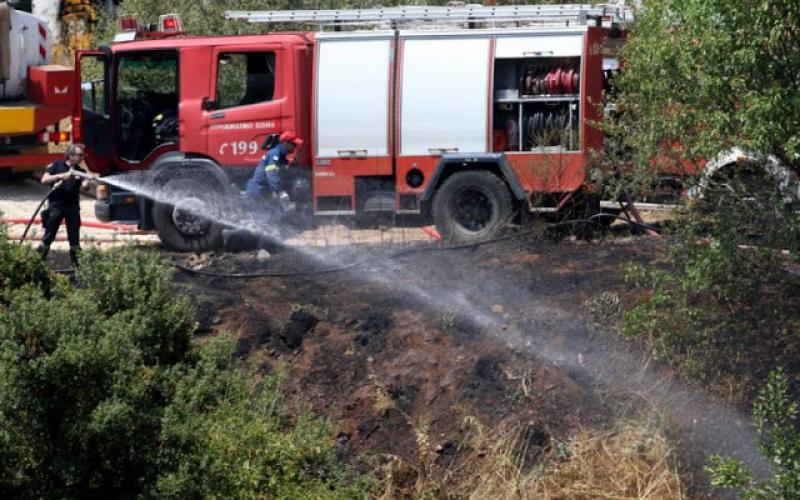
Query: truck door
352, 117
91, 122
443, 104
245, 102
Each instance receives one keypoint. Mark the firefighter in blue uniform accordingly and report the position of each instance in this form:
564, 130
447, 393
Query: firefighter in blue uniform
265, 184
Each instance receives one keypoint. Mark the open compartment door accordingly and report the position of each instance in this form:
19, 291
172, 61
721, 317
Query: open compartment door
91, 120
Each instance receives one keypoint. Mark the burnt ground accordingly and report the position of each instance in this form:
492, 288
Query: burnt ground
400, 348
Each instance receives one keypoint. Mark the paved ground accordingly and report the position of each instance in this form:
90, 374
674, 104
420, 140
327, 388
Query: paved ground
19, 199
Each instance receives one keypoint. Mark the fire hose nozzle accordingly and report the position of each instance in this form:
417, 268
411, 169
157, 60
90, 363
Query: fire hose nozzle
86, 175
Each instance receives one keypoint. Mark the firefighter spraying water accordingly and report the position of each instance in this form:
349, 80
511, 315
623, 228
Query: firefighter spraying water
67, 178
266, 184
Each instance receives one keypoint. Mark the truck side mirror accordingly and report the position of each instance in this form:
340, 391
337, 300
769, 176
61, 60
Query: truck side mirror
270, 141
208, 104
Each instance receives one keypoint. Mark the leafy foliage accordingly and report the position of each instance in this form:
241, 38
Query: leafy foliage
137, 289
103, 395
220, 439
775, 415
18, 267
718, 311
701, 76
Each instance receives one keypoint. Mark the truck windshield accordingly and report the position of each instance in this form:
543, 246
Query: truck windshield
147, 103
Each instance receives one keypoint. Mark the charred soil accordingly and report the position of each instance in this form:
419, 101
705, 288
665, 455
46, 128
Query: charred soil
399, 353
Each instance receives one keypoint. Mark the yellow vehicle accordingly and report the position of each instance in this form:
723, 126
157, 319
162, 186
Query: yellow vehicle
35, 96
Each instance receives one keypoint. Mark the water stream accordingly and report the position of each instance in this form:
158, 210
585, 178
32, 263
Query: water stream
714, 427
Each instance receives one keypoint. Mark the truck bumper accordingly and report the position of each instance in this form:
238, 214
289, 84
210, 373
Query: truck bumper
102, 210
123, 208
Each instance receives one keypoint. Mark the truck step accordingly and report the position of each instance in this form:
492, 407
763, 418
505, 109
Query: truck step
379, 201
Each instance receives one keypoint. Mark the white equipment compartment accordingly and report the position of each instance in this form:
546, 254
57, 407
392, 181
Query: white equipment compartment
24, 41
540, 45
353, 96
444, 95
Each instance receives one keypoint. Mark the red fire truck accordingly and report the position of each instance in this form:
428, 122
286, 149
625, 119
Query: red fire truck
463, 115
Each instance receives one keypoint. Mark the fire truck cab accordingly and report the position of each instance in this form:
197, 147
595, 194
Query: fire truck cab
466, 124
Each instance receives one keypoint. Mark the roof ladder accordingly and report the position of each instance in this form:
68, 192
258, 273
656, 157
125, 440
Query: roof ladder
575, 14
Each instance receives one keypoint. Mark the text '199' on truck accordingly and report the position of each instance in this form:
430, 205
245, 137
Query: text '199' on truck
468, 117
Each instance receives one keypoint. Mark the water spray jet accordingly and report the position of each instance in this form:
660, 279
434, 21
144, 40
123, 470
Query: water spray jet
716, 428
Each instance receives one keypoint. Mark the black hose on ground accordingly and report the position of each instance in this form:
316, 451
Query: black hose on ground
36, 212
67, 270
395, 255
403, 253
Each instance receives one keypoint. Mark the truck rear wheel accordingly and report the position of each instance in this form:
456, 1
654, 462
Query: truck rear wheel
472, 206
185, 225
749, 195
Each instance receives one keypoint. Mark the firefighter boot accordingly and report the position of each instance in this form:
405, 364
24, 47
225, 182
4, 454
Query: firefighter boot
43, 250
74, 256
285, 202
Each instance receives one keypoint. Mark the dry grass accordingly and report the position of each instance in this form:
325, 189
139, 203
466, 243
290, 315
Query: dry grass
632, 461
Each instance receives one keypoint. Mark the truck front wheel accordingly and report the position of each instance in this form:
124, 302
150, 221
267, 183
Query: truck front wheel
186, 224
471, 206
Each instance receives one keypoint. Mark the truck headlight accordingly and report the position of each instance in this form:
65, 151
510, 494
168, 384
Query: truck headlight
101, 192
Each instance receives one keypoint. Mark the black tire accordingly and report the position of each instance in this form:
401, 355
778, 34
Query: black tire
179, 228
750, 196
472, 206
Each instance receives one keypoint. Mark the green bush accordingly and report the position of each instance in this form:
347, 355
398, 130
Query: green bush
713, 258
103, 395
775, 415
137, 288
678, 329
693, 85
18, 266
220, 439
719, 307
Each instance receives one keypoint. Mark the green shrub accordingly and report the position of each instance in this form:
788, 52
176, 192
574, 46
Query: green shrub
103, 395
724, 303
221, 440
718, 308
137, 287
19, 265
775, 415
